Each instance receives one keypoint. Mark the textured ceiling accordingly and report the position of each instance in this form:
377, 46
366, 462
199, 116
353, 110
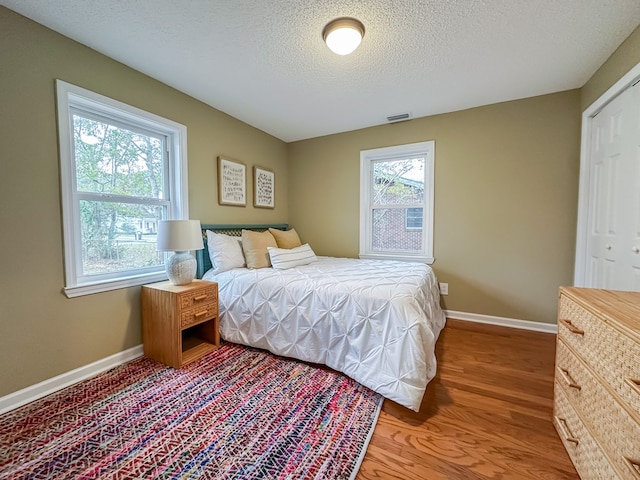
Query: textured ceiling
264, 61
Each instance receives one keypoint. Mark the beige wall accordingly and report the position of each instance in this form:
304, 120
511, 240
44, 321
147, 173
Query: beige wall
42, 333
506, 195
506, 185
626, 56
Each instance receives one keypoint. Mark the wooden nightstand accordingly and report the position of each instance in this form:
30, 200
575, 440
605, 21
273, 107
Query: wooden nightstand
180, 322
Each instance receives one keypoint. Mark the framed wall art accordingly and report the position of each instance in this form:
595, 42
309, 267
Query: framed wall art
232, 182
263, 188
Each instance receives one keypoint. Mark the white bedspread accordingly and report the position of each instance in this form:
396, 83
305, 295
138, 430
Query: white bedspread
375, 321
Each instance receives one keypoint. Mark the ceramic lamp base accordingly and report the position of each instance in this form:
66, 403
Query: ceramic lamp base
181, 268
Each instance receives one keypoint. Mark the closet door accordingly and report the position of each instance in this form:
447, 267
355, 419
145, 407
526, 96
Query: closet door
613, 242
632, 253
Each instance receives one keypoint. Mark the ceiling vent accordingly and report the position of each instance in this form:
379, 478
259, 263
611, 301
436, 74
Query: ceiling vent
398, 118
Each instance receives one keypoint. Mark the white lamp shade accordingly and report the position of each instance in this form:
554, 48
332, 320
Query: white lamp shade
179, 236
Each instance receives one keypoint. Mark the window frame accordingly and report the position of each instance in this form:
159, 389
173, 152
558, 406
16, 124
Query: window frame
71, 98
367, 159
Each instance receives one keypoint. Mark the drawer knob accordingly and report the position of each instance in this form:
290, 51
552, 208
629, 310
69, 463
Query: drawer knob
562, 424
571, 327
200, 314
607, 247
199, 298
635, 249
634, 466
634, 384
568, 378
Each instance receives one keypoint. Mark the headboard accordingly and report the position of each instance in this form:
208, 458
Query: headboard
202, 256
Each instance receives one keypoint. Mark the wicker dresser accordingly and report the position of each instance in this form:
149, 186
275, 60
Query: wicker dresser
597, 381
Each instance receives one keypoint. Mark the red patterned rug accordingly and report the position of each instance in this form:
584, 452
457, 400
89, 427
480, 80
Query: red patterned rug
237, 413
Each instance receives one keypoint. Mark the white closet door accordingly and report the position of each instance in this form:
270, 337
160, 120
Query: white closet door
614, 195
631, 253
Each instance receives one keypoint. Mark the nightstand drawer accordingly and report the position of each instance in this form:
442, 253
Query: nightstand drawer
198, 314
198, 297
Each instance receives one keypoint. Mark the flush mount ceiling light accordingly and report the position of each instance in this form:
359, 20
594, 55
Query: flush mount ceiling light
343, 35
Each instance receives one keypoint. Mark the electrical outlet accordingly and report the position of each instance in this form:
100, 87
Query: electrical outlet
444, 289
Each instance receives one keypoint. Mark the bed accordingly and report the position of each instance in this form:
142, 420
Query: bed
375, 321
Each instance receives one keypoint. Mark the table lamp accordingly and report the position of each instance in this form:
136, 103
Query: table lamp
180, 236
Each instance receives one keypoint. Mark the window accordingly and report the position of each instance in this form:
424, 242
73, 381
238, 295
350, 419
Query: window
396, 189
122, 170
413, 218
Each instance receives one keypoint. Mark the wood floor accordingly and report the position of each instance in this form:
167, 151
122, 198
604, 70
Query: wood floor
486, 415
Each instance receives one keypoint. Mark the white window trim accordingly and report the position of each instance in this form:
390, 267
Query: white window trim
367, 157
70, 95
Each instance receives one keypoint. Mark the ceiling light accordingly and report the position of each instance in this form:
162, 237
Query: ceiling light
343, 35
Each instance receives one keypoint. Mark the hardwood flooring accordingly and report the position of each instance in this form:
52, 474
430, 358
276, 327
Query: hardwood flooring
486, 415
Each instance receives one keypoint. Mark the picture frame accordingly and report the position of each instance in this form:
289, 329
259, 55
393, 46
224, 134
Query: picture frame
232, 182
264, 188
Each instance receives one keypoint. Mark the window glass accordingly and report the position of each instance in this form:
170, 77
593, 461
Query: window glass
398, 182
117, 236
112, 163
114, 159
390, 234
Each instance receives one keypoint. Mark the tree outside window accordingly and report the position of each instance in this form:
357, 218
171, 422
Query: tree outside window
119, 182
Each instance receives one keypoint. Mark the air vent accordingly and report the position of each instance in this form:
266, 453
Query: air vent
398, 118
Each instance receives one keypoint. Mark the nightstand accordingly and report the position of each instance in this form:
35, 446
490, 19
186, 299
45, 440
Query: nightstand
180, 322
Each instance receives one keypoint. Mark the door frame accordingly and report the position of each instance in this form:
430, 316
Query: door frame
582, 233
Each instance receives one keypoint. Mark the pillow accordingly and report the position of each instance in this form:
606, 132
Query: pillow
225, 252
288, 239
254, 245
282, 258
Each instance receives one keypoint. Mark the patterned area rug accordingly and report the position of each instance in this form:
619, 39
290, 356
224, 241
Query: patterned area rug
237, 413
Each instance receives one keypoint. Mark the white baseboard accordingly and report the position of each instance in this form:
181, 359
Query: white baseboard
503, 321
51, 385
39, 390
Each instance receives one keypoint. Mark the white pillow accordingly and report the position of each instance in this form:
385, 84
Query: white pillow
282, 258
225, 252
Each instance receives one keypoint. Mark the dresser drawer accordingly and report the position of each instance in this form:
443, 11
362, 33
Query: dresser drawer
199, 297
615, 356
618, 433
573, 377
587, 456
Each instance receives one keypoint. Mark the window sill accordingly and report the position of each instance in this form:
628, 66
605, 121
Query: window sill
106, 286
398, 257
